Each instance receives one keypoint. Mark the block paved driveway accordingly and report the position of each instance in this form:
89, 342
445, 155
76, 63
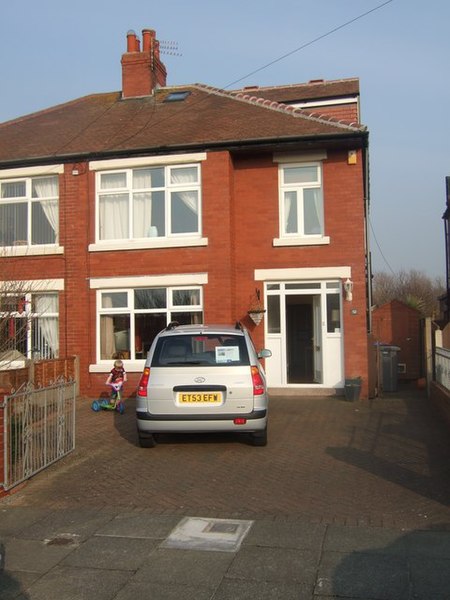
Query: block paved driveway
381, 463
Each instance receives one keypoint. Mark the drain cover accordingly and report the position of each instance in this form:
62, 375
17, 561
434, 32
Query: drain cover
195, 533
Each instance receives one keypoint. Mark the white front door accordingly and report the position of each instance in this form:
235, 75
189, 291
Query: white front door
303, 334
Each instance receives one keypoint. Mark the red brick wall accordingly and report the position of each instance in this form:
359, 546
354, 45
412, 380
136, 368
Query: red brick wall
256, 225
240, 219
397, 324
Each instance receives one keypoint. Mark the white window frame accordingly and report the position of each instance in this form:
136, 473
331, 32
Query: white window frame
28, 174
299, 238
30, 316
170, 239
170, 310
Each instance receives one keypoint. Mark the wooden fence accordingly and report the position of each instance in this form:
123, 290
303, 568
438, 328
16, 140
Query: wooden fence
41, 373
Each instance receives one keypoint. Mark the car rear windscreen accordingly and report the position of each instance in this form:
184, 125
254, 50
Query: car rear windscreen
215, 350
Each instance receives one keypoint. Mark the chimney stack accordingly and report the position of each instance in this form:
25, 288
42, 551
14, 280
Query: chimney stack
142, 71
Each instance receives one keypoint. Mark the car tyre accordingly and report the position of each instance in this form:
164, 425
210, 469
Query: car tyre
147, 440
259, 438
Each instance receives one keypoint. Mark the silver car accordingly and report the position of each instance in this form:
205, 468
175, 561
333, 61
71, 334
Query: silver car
203, 378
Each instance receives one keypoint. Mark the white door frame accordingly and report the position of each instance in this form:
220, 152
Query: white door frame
327, 336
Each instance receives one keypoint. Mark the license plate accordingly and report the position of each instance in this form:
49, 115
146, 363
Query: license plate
199, 397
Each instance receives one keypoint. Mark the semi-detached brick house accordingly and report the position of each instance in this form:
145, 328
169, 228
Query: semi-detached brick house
123, 211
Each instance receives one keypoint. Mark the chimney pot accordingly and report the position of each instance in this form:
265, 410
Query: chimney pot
148, 37
132, 41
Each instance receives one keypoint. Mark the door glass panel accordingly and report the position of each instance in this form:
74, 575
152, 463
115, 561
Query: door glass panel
303, 286
333, 313
273, 315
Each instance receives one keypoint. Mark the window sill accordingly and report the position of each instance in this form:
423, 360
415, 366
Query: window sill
31, 250
303, 241
147, 244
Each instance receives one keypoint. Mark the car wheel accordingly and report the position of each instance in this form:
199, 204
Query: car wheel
146, 440
259, 438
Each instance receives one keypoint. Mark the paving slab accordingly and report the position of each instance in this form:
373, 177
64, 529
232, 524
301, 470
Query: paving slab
12, 583
185, 567
364, 575
32, 556
139, 525
121, 554
14, 520
275, 565
282, 533
81, 522
429, 544
74, 584
167, 591
339, 538
231, 589
430, 578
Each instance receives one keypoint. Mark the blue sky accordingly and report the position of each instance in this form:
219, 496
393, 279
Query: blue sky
53, 51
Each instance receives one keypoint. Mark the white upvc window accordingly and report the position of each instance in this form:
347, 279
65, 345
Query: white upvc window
29, 214
301, 200
129, 319
29, 326
161, 201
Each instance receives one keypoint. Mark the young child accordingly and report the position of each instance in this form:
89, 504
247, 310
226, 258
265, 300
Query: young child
117, 376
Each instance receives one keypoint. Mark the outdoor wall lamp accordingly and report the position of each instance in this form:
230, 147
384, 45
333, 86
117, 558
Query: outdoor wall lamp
348, 289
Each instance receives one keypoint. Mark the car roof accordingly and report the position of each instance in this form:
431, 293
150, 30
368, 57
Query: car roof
199, 329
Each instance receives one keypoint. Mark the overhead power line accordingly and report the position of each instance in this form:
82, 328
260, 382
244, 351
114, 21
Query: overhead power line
306, 44
273, 62
379, 248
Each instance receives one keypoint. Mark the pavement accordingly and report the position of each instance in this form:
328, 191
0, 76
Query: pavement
348, 500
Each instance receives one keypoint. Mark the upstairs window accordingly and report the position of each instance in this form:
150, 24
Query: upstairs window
301, 200
154, 202
29, 211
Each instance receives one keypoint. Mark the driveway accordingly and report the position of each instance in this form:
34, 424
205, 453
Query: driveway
382, 463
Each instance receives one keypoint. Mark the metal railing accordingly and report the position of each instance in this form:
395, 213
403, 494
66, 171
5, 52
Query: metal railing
442, 367
39, 429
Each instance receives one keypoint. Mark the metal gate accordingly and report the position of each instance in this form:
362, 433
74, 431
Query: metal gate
39, 429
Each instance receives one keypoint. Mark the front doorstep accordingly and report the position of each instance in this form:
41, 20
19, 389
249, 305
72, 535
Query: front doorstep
304, 391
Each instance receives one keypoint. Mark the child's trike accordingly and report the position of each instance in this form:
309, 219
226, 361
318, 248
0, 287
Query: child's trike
114, 402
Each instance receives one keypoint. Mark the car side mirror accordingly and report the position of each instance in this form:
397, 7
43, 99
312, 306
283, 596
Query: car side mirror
265, 353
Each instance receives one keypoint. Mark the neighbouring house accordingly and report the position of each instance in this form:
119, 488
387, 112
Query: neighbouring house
123, 211
399, 325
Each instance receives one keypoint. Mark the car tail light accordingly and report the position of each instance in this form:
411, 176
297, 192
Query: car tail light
258, 382
240, 421
142, 387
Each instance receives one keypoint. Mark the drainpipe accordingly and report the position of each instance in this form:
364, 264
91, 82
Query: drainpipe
367, 237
